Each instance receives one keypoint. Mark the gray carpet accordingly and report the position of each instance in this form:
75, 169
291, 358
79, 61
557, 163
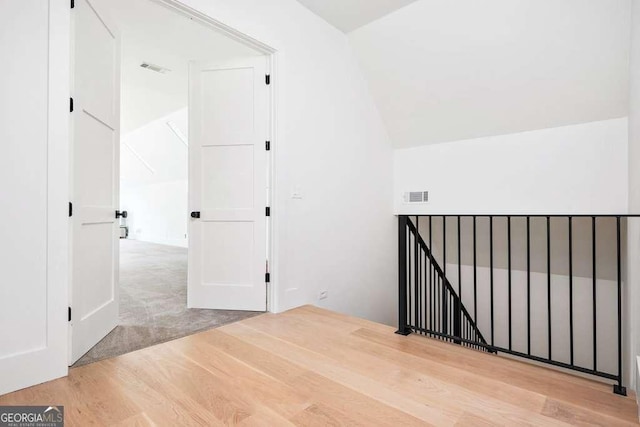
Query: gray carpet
153, 302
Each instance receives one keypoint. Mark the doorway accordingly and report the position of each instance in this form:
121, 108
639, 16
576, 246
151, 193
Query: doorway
170, 172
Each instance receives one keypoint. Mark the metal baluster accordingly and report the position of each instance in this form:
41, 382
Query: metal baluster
509, 278
594, 296
571, 289
528, 285
444, 274
619, 389
402, 275
549, 283
491, 273
416, 273
475, 275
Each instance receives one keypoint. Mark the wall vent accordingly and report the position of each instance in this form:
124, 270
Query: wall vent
154, 67
416, 197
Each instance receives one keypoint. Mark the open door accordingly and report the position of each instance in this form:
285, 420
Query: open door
228, 116
95, 178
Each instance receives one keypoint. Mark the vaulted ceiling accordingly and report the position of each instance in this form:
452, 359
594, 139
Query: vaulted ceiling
445, 70
347, 15
153, 33
439, 70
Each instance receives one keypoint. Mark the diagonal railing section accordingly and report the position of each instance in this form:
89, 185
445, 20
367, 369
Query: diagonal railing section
433, 307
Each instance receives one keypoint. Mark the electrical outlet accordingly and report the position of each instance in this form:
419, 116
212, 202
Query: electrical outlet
297, 193
323, 295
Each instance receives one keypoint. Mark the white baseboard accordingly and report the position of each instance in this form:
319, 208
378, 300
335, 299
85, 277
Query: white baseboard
184, 243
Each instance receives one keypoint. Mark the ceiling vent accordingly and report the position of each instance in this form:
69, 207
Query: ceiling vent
154, 67
416, 197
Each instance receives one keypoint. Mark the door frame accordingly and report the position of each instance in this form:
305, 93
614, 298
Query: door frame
64, 166
271, 56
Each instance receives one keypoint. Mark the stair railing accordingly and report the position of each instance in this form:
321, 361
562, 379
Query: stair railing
563, 309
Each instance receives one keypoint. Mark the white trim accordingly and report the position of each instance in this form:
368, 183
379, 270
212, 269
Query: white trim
178, 133
273, 303
220, 27
139, 157
58, 184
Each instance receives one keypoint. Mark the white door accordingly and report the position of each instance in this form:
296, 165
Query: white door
95, 178
228, 118
34, 114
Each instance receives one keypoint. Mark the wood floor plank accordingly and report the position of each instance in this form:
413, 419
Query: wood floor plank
310, 383
534, 378
162, 402
347, 346
139, 420
579, 415
313, 367
434, 393
232, 374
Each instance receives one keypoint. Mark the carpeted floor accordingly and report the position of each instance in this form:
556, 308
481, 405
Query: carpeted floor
153, 302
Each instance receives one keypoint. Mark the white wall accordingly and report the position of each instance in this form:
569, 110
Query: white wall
158, 213
331, 144
633, 237
570, 169
153, 181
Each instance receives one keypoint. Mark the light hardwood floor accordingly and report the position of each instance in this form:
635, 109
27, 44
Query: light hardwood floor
313, 367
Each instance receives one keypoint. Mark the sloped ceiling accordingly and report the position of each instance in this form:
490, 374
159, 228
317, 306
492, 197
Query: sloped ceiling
153, 33
445, 70
347, 15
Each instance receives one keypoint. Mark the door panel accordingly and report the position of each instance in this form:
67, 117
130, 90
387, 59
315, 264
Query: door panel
228, 178
227, 184
230, 248
96, 246
95, 180
34, 116
96, 143
96, 51
227, 97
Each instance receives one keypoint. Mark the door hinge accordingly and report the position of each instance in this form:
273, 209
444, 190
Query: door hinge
267, 79
267, 145
73, 4
70, 209
69, 314
71, 105
267, 278
268, 211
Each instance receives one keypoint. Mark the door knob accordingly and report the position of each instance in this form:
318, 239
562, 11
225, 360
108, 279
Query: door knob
122, 214
195, 214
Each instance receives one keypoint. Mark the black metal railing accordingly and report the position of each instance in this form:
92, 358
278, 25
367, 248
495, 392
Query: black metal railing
431, 302
542, 287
